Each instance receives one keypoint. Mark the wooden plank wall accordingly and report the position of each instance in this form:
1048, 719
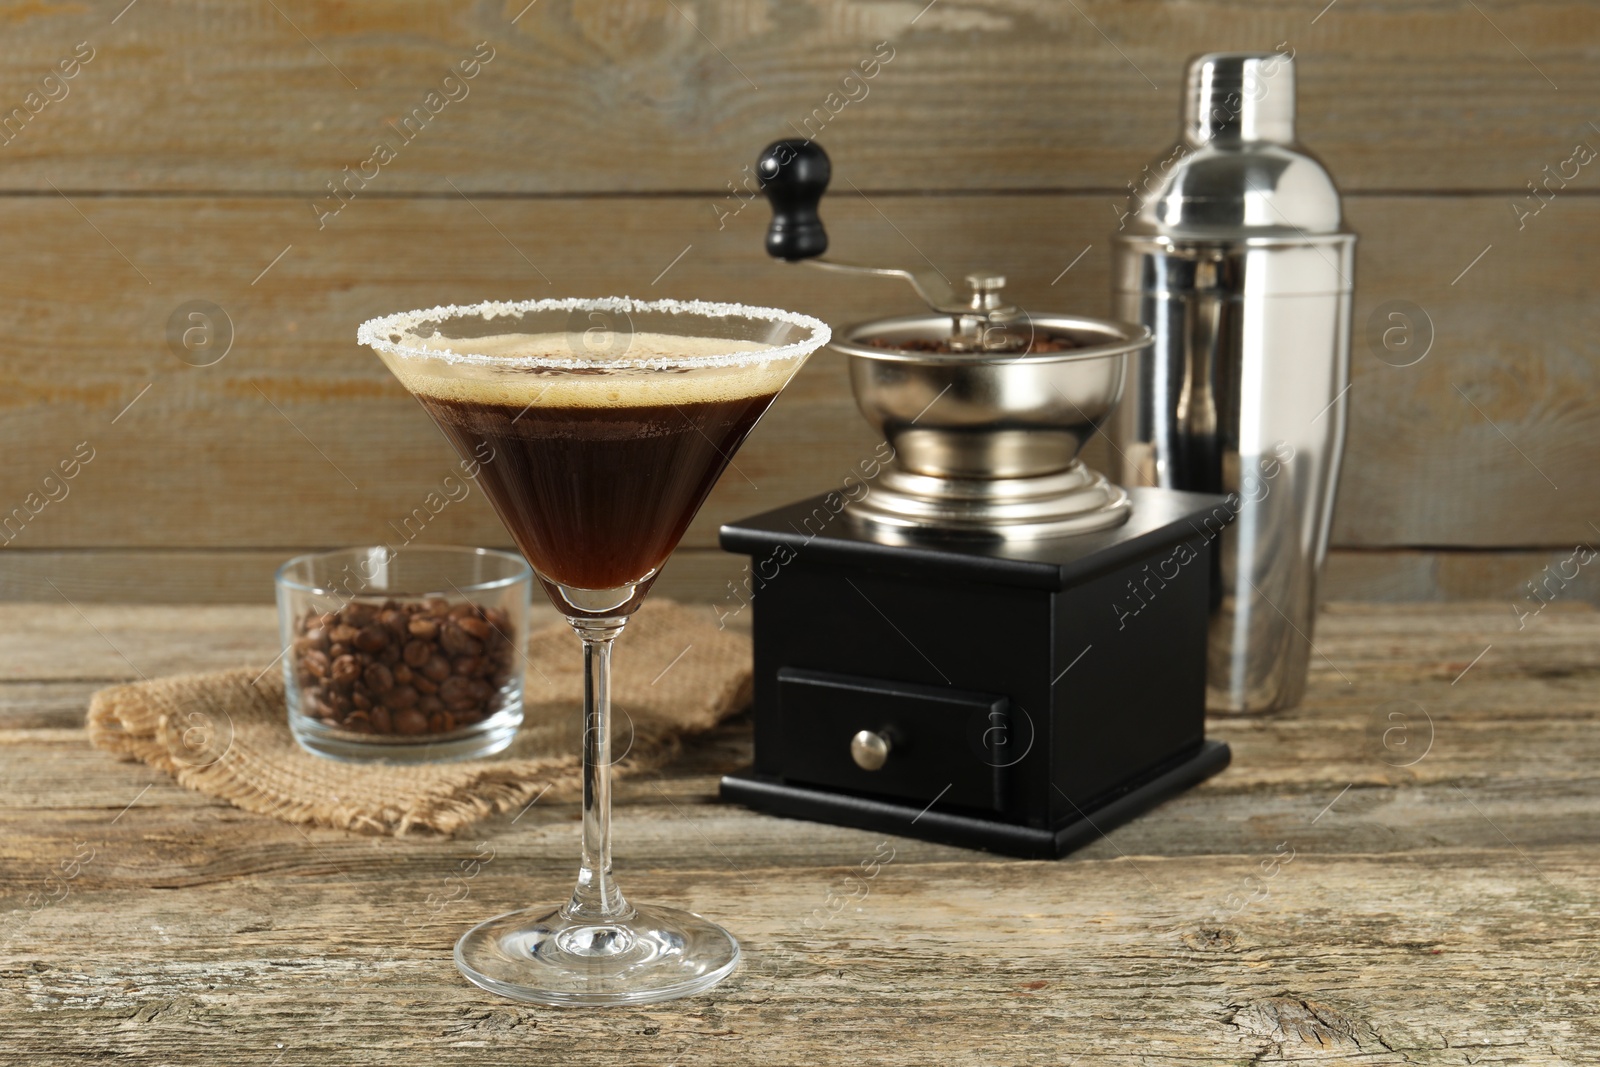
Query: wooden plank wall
190, 155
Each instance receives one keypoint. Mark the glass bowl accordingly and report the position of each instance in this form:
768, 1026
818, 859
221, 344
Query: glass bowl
413, 655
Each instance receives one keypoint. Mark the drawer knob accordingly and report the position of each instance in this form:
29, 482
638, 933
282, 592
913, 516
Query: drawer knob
870, 750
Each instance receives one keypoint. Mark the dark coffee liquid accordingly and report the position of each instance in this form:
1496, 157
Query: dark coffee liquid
598, 497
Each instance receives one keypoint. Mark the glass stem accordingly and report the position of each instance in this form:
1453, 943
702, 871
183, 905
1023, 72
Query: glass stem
597, 898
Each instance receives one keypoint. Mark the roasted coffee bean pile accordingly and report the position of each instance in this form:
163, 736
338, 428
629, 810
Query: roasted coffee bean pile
408, 668
1013, 344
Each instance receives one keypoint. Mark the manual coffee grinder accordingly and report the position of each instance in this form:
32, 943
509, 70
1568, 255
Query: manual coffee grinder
979, 641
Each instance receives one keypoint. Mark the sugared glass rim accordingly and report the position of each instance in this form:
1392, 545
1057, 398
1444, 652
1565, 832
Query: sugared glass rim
377, 333
521, 572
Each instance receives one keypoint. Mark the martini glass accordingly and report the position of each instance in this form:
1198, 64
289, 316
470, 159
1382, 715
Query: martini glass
599, 428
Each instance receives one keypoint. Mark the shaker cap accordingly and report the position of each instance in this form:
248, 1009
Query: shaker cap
1245, 96
1237, 169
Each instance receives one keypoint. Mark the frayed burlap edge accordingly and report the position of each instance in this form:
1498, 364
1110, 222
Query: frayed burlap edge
225, 734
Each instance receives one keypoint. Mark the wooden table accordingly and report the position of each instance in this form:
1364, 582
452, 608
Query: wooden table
1403, 870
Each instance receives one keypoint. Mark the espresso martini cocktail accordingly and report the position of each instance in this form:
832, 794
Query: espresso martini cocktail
608, 423
597, 475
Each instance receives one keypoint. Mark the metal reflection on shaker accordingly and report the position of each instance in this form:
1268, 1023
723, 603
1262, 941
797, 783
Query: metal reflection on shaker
1233, 254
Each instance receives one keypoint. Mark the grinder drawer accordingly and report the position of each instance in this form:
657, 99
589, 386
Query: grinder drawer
895, 739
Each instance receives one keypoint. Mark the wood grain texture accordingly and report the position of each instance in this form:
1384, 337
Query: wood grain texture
601, 149
300, 438
1518, 581
642, 97
1438, 908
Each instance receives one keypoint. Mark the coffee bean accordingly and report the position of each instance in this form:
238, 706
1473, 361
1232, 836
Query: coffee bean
424, 627
458, 642
379, 679
474, 626
379, 717
441, 722
343, 633
316, 663
399, 698
411, 721
457, 693
422, 685
403, 675
417, 653
468, 665
372, 639
345, 670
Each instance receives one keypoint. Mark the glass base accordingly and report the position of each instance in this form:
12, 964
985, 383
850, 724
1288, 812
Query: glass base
477, 741
543, 957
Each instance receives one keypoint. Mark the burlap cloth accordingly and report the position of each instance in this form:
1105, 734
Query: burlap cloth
674, 674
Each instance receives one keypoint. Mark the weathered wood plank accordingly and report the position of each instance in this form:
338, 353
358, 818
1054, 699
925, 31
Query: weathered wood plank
1422, 893
94, 642
47, 705
1051, 978
1521, 580
300, 438
240, 576
631, 96
1467, 801
1393, 717
1379, 961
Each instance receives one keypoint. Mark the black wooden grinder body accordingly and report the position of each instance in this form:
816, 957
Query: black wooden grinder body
1034, 694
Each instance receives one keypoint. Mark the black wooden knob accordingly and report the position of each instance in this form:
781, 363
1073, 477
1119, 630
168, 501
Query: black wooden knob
794, 174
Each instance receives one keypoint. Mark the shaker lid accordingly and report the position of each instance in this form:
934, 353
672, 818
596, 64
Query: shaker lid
1240, 96
1236, 169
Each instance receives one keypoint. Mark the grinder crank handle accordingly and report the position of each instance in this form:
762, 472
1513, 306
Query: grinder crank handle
794, 174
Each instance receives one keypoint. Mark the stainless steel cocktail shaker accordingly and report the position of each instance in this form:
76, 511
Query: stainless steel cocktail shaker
1231, 251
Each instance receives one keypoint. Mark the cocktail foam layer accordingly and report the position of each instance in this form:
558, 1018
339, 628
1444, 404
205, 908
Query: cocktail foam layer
521, 382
